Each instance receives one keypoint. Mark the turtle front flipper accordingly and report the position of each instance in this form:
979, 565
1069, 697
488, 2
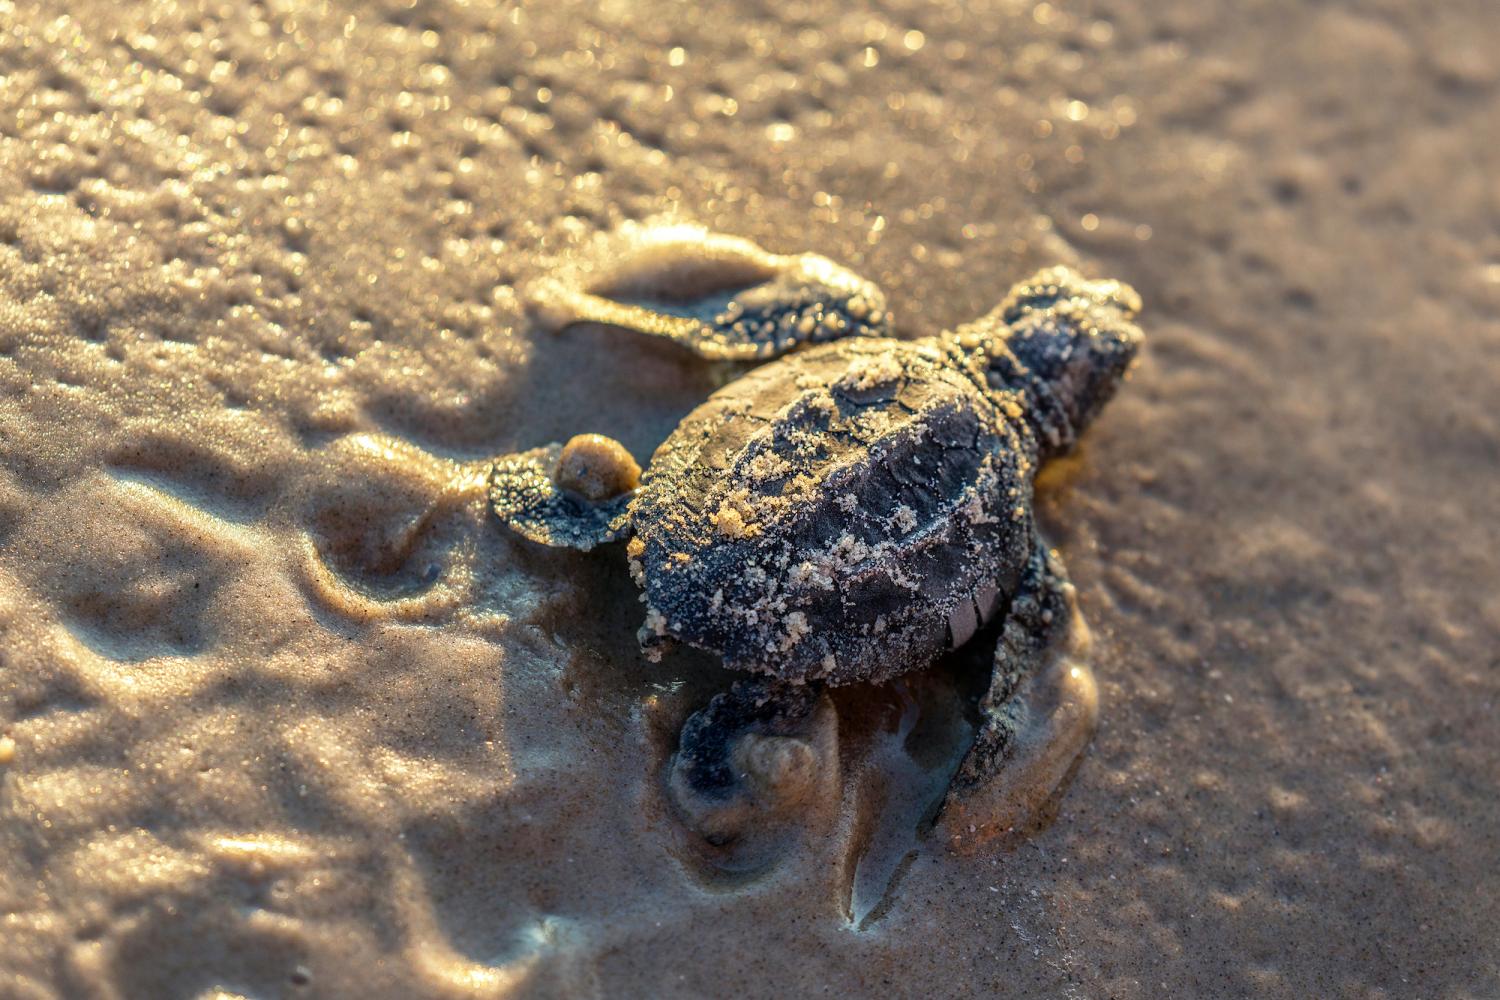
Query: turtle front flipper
575, 495
721, 297
1036, 719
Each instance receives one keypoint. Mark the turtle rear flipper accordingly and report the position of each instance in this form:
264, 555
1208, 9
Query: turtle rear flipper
530, 492
721, 297
752, 768
1037, 718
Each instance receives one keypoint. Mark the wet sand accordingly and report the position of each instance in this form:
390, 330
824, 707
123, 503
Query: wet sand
285, 713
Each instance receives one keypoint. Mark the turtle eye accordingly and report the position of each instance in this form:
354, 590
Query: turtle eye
1035, 299
1054, 286
1041, 292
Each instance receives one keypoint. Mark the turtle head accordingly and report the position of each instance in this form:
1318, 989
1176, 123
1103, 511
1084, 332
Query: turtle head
1074, 340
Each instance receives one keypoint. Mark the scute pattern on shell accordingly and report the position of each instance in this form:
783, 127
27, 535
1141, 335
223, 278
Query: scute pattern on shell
826, 516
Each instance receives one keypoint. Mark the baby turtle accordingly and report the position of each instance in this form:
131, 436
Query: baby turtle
845, 514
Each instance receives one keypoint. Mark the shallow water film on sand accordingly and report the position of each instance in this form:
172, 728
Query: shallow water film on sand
285, 712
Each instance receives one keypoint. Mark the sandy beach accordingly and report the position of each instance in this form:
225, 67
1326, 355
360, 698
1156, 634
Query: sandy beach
285, 712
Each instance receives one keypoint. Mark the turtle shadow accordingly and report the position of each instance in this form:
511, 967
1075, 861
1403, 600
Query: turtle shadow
595, 379
587, 378
903, 741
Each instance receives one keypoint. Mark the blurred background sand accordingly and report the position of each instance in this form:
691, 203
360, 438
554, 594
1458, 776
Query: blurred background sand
283, 713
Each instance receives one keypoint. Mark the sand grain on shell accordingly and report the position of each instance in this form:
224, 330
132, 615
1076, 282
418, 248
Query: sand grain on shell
257, 298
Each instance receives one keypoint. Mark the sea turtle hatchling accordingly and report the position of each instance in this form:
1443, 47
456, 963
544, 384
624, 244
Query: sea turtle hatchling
844, 514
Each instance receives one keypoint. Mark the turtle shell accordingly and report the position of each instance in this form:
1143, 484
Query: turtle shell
846, 513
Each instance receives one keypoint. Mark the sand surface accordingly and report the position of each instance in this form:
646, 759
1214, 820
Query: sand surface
283, 713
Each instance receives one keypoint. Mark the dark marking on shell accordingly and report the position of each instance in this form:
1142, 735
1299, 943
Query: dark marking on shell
825, 516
